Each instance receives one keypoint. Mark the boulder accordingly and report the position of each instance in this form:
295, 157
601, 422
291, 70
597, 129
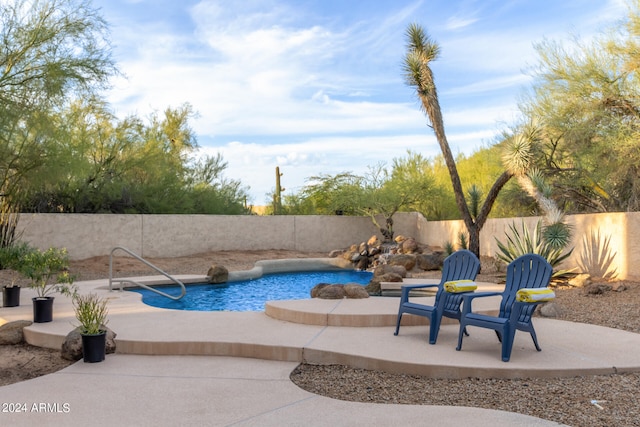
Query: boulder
317, 288
383, 269
363, 263
430, 262
72, 345
399, 238
389, 277
11, 333
618, 287
550, 309
373, 241
373, 288
355, 291
409, 246
597, 288
218, 274
580, 280
332, 292
406, 260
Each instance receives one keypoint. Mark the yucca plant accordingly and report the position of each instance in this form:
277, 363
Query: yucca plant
521, 242
448, 248
91, 311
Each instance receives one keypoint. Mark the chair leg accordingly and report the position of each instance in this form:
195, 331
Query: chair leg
508, 336
434, 328
535, 338
398, 324
463, 328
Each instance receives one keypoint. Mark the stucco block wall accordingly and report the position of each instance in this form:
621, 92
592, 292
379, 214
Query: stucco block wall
622, 229
86, 236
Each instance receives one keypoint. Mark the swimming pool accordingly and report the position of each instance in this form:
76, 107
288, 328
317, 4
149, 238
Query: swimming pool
250, 295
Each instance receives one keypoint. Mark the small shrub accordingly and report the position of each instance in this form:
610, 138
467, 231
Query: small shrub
91, 311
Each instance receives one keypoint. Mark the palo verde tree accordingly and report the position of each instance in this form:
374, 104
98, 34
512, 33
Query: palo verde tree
421, 51
378, 194
50, 52
585, 98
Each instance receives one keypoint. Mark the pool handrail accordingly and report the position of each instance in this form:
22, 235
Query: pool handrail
142, 285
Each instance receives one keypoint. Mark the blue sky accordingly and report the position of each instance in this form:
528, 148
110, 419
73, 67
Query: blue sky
316, 86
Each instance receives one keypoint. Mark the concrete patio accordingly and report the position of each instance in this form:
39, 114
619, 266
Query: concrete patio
232, 368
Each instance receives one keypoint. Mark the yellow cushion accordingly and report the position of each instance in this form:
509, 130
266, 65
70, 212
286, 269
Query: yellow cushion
457, 286
535, 295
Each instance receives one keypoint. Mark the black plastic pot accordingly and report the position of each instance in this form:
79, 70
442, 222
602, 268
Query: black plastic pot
11, 296
42, 309
94, 347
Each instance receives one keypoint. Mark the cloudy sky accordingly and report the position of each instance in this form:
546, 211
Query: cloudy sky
316, 86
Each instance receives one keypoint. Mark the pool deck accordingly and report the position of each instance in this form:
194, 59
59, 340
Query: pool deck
231, 368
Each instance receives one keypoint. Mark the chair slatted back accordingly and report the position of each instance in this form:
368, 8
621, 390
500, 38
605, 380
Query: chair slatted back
526, 271
460, 265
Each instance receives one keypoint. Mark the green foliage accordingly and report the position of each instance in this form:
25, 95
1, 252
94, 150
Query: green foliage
449, 248
521, 242
91, 311
379, 192
585, 99
106, 165
463, 242
11, 255
47, 270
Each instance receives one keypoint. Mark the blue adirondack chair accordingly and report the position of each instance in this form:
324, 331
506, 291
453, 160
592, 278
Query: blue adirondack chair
460, 265
526, 271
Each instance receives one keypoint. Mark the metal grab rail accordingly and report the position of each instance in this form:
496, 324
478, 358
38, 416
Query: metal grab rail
142, 285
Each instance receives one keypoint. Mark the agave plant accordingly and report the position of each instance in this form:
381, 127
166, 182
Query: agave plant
521, 242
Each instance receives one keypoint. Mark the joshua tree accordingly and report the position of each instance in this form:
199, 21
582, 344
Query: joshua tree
421, 51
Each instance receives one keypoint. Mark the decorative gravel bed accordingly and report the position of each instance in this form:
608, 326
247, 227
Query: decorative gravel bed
563, 400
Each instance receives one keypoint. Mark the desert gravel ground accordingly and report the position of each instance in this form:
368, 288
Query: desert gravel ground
563, 400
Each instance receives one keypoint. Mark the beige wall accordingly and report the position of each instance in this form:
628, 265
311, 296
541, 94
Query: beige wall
179, 235
621, 229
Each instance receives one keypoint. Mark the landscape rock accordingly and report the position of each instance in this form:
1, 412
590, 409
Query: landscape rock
332, 292
218, 274
409, 246
373, 288
430, 262
317, 288
373, 241
383, 269
597, 288
11, 333
355, 291
406, 260
389, 277
580, 280
618, 287
72, 345
551, 309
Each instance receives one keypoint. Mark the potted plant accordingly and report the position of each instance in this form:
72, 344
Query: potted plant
48, 273
9, 257
91, 311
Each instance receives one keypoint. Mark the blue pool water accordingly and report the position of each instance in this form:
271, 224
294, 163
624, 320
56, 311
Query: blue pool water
250, 295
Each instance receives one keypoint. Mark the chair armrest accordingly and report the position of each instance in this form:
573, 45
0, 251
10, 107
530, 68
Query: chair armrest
408, 288
517, 306
468, 298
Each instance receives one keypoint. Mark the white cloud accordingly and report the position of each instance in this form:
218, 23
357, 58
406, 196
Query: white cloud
298, 85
